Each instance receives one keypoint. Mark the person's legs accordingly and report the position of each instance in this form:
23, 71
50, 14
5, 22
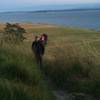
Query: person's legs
40, 61
36, 55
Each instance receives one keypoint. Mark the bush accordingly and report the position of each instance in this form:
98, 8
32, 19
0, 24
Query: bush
13, 33
13, 67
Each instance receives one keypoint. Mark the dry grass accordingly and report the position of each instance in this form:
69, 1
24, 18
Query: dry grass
72, 57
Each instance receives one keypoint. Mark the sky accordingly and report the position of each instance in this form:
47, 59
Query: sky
27, 5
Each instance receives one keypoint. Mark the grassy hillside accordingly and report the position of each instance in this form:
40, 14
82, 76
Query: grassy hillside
71, 61
20, 77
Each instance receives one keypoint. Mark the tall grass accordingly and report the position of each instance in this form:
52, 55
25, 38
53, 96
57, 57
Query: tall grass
71, 61
20, 77
74, 67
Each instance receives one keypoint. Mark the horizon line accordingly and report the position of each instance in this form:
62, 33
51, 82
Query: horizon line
51, 10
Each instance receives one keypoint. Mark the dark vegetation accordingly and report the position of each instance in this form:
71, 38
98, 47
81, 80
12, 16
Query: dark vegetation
13, 33
75, 71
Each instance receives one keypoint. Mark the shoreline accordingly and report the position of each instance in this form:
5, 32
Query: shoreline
30, 25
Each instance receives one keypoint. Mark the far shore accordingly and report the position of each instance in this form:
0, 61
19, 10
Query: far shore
31, 25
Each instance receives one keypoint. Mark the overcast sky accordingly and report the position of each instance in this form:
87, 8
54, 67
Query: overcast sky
20, 5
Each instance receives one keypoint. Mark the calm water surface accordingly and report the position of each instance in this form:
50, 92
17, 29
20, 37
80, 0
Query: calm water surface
83, 19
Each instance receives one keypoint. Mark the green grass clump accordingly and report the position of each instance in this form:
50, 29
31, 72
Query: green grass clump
20, 77
74, 68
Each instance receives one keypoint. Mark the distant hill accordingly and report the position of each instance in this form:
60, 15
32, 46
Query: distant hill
62, 7
44, 11
67, 7
61, 10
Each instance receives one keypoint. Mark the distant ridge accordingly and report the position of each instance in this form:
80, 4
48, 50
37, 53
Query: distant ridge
40, 11
46, 11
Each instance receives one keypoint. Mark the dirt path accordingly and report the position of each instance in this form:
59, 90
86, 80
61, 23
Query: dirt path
59, 94
63, 95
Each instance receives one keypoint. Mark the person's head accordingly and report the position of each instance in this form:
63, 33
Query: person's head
37, 38
43, 34
43, 38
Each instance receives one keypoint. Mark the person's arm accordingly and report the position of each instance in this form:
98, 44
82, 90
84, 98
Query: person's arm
33, 44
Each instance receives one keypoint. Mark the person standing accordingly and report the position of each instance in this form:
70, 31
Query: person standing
38, 50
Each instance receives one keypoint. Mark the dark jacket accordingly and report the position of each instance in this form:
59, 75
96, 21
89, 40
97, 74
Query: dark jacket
38, 47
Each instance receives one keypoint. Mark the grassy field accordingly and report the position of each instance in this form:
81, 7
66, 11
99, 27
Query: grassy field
71, 62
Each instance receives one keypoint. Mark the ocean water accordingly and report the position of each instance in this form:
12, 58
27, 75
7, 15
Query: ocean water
84, 19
